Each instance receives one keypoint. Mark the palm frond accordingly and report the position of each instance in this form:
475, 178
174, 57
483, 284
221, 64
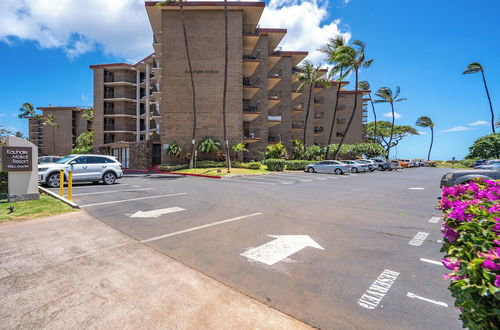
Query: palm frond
364, 85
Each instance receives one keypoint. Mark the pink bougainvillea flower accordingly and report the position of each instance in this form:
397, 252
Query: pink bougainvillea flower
497, 281
493, 253
450, 264
491, 265
496, 242
445, 203
496, 228
453, 277
494, 208
449, 234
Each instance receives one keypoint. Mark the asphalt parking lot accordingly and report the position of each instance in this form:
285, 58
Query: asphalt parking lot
334, 251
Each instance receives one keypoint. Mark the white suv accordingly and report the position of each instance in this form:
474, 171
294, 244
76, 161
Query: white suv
93, 168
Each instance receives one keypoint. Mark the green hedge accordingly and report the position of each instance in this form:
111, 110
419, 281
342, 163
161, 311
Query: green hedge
275, 164
251, 165
172, 168
297, 164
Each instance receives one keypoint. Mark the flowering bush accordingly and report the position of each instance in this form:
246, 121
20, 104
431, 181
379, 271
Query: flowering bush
471, 229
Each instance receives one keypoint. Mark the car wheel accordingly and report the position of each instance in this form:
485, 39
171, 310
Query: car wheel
310, 170
380, 168
109, 178
53, 180
337, 171
354, 170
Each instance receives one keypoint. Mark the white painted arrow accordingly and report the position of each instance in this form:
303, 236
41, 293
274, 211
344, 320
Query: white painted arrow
280, 248
156, 213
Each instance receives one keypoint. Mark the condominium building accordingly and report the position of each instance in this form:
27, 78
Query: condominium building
58, 139
141, 108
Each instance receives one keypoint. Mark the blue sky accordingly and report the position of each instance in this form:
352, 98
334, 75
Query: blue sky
422, 46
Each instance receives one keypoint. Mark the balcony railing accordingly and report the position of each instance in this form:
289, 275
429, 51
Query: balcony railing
340, 134
273, 138
340, 121
250, 82
109, 127
278, 74
274, 118
318, 130
298, 125
250, 135
251, 108
278, 51
277, 95
250, 29
341, 108
318, 99
251, 55
298, 107
319, 115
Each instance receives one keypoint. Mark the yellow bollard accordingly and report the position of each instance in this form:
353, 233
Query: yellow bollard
70, 185
61, 183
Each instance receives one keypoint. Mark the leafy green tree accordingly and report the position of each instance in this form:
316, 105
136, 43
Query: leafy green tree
276, 151
209, 145
50, 120
84, 143
19, 134
351, 58
298, 149
386, 95
383, 135
308, 77
88, 114
336, 71
314, 152
27, 110
3, 135
239, 149
425, 121
476, 67
174, 149
487, 146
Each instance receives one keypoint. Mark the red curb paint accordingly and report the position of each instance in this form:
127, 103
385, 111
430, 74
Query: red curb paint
129, 171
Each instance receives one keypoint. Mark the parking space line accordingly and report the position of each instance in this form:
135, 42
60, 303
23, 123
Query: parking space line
200, 227
251, 181
132, 199
434, 219
92, 185
303, 177
419, 238
430, 261
440, 303
277, 180
111, 191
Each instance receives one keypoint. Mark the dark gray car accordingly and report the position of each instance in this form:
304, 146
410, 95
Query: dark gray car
459, 177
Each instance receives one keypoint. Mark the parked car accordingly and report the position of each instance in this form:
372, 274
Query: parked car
420, 162
372, 165
489, 164
92, 168
479, 162
355, 166
48, 159
459, 177
394, 165
328, 166
382, 164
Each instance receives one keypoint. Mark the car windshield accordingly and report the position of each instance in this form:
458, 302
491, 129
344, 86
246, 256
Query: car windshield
64, 160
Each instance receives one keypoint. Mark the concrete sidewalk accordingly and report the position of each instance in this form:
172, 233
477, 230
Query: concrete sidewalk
73, 271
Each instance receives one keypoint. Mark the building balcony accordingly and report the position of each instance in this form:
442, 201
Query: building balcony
318, 131
249, 66
272, 139
340, 121
250, 36
298, 108
298, 126
273, 100
295, 73
272, 60
111, 128
319, 100
250, 113
119, 98
296, 94
251, 137
318, 88
319, 116
250, 88
273, 79
273, 120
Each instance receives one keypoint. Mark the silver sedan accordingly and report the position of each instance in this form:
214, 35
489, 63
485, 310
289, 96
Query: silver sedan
356, 167
328, 166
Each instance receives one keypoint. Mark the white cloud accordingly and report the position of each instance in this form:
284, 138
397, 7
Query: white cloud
422, 132
389, 115
306, 25
479, 123
457, 129
2, 115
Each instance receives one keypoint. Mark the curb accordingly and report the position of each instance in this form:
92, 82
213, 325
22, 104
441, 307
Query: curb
62, 199
174, 173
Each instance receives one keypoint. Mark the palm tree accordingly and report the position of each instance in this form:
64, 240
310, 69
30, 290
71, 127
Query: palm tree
88, 115
19, 134
50, 120
309, 76
476, 67
239, 149
365, 85
351, 59
209, 145
425, 121
224, 119
387, 96
27, 110
329, 49
188, 58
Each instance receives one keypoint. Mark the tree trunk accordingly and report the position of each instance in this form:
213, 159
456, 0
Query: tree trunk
392, 131
374, 114
226, 142
307, 113
54, 141
432, 141
489, 100
188, 57
334, 118
350, 119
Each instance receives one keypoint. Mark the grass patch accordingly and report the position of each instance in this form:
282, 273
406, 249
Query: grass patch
223, 171
451, 165
44, 207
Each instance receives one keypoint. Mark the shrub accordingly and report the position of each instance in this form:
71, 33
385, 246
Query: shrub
471, 229
172, 167
468, 162
174, 149
314, 153
209, 164
275, 164
253, 166
297, 164
276, 151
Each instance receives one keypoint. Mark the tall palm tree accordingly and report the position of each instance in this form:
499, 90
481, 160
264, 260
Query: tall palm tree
329, 49
188, 58
365, 85
50, 120
351, 58
476, 67
425, 121
308, 77
224, 102
27, 110
386, 95
88, 115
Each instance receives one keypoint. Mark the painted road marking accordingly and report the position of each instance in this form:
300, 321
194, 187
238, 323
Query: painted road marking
111, 191
416, 188
431, 261
92, 185
133, 199
372, 297
277, 180
200, 227
156, 213
251, 181
418, 239
312, 176
434, 219
296, 177
280, 248
440, 303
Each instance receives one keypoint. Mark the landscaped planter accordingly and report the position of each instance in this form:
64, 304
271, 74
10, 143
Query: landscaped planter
471, 229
